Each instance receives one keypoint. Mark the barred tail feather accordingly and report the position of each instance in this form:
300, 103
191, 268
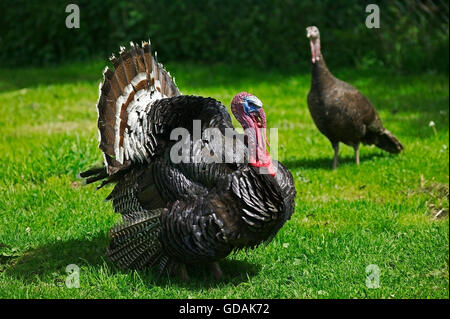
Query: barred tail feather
135, 243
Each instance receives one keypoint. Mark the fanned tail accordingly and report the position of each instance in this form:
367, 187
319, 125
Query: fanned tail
127, 92
388, 142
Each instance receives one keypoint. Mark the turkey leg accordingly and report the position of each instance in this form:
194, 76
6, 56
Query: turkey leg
214, 267
183, 273
336, 151
357, 154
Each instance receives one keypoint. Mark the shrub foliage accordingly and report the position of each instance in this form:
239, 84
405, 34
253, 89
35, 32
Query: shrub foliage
263, 33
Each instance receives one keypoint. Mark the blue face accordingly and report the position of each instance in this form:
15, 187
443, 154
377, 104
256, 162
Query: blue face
251, 104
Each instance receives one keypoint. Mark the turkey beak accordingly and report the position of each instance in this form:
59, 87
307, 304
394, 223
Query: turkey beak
257, 118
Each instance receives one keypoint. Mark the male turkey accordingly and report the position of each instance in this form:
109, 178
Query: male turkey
340, 111
199, 207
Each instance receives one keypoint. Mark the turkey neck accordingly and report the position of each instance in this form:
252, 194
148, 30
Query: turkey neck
321, 77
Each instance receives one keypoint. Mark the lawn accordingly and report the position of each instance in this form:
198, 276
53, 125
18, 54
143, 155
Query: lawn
391, 211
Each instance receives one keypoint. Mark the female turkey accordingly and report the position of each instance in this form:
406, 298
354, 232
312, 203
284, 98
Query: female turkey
194, 208
340, 111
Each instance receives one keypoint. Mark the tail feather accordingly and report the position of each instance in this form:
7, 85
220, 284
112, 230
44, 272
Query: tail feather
388, 142
135, 243
93, 171
95, 174
127, 93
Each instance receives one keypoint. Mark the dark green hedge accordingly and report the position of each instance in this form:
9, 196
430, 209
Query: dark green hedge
264, 33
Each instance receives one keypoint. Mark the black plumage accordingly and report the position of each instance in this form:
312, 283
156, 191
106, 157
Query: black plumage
178, 213
340, 111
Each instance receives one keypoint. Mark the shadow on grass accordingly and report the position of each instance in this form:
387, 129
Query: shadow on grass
234, 272
36, 264
42, 263
327, 162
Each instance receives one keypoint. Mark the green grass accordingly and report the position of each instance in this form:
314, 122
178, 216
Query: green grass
381, 213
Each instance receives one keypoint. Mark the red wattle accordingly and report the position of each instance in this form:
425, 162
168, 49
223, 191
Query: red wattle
262, 157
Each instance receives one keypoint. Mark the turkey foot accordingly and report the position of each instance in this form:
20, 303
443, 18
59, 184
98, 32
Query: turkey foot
214, 267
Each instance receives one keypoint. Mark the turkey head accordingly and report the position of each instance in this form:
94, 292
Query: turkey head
247, 109
312, 33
